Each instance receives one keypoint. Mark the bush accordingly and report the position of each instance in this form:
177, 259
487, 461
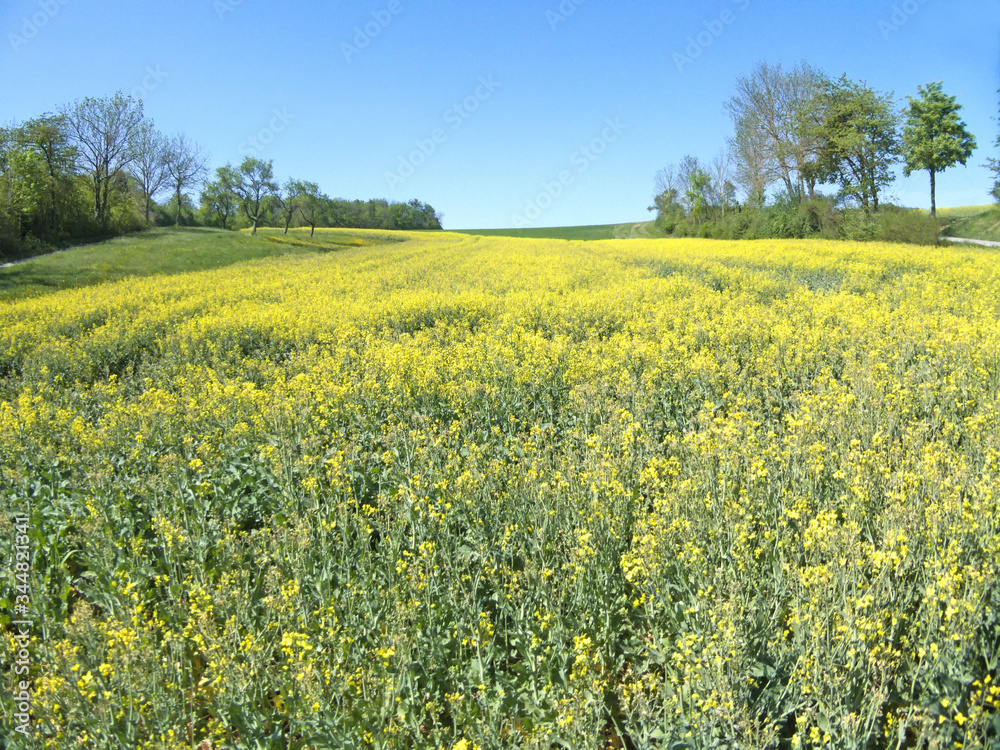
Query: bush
895, 224
856, 225
819, 216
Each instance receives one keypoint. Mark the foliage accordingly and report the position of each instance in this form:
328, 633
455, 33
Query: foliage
96, 169
773, 113
895, 224
479, 492
43, 200
380, 214
104, 133
219, 201
934, 138
253, 183
858, 140
802, 130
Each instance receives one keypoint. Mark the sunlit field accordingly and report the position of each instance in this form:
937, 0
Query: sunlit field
481, 492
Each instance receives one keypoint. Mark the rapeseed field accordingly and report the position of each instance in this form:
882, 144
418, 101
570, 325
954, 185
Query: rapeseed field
477, 492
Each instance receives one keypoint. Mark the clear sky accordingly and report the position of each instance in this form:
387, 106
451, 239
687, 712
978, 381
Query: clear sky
533, 112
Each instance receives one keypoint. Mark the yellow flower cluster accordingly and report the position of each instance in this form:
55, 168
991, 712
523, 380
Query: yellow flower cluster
457, 491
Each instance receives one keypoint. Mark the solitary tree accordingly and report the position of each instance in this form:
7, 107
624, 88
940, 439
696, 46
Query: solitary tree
858, 140
311, 203
289, 199
254, 184
186, 166
104, 132
934, 138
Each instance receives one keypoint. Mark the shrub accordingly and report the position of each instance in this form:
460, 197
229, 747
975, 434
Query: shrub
895, 224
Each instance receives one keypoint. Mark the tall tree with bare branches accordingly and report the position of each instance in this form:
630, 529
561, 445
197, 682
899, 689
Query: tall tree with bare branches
771, 109
149, 168
187, 166
104, 133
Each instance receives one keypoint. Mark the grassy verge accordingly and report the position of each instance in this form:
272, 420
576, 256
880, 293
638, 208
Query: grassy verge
167, 251
983, 224
960, 212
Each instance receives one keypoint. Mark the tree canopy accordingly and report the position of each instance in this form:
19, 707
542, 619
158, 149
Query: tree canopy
934, 137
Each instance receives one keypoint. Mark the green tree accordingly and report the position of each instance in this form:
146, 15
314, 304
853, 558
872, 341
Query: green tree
934, 138
858, 140
37, 167
47, 136
23, 186
219, 201
289, 199
311, 204
254, 185
696, 183
413, 215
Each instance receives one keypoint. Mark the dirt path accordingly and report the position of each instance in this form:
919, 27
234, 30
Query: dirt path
633, 231
19, 262
983, 243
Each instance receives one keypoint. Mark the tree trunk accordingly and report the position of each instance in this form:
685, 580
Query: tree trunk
178, 222
98, 213
254, 230
52, 192
103, 207
933, 198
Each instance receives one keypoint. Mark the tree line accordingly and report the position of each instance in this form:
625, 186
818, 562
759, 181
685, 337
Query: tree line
99, 167
248, 196
797, 130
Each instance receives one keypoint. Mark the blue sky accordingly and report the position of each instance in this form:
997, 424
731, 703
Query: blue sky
533, 112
